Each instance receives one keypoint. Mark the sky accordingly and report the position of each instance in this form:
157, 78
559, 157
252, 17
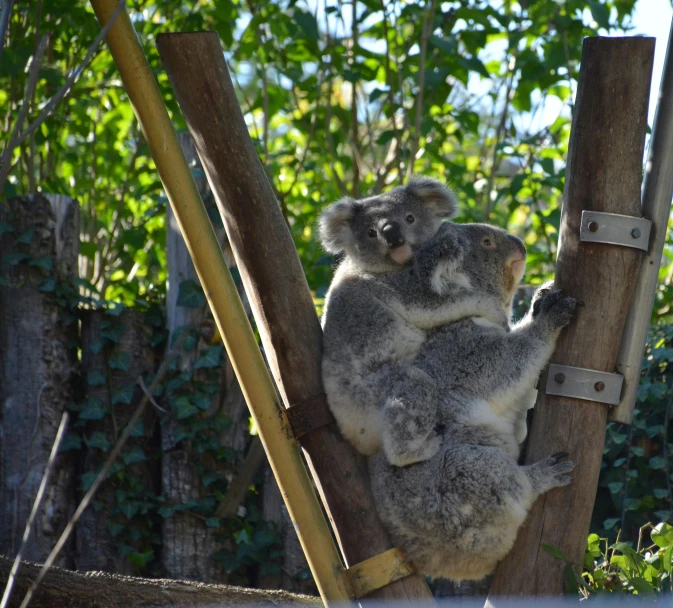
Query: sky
653, 18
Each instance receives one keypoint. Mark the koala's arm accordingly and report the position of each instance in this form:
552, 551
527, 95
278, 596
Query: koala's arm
510, 363
535, 304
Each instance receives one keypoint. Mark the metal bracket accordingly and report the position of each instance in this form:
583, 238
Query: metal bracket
581, 383
615, 229
377, 572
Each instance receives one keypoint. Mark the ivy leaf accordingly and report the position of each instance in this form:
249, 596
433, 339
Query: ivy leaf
48, 285
213, 522
120, 361
13, 259
124, 394
25, 238
129, 509
88, 479
190, 294
134, 454
45, 262
658, 462
98, 440
183, 408
96, 378
141, 559
70, 442
5, 228
211, 358
608, 524
94, 409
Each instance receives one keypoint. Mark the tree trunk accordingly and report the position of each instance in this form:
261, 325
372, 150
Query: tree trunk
187, 542
116, 350
64, 589
604, 172
38, 357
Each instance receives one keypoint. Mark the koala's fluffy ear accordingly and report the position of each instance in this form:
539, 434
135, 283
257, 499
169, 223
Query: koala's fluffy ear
334, 225
435, 195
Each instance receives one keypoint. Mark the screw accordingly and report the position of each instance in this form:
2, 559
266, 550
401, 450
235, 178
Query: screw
593, 226
560, 378
599, 386
635, 233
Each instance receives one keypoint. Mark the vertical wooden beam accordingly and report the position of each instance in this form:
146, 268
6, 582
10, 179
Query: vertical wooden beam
603, 174
274, 280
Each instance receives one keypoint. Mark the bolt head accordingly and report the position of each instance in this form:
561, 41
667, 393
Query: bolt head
560, 378
593, 226
599, 386
635, 233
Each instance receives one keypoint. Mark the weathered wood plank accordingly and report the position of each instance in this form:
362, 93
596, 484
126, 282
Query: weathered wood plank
276, 286
603, 174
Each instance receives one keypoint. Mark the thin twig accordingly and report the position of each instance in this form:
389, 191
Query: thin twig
116, 450
14, 138
75, 74
143, 386
4, 22
428, 26
36, 505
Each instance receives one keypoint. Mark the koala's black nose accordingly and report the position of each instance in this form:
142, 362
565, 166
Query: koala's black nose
393, 235
519, 243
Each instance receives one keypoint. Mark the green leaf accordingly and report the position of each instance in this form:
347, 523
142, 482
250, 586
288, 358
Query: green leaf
554, 552
120, 361
70, 442
96, 378
141, 559
211, 358
5, 228
190, 294
129, 509
662, 535
608, 524
88, 249
45, 262
641, 585
213, 522
658, 462
616, 486
183, 408
114, 528
26, 237
98, 440
134, 454
600, 13
88, 479
124, 394
13, 259
48, 285
242, 538
93, 409
307, 23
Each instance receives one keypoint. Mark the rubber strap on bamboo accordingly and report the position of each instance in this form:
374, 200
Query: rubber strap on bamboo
377, 572
309, 415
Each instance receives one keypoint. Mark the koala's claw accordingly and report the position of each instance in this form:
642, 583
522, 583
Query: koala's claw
542, 292
560, 310
559, 456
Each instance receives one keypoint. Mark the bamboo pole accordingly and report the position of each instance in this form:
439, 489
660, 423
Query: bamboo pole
225, 304
603, 174
277, 290
657, 194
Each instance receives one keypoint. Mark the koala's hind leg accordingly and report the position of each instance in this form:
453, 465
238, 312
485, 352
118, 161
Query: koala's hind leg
410, 431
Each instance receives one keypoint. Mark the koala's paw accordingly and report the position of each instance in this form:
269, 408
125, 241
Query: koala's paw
551, 472
543, 291
558, 310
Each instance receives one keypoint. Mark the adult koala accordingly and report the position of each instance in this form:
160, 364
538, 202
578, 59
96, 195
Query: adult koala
380, 306
457, 514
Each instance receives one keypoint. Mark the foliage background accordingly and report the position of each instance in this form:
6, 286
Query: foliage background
342, 98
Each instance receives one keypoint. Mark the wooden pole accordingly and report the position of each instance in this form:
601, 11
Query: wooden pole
603, 174
231, 319
274, 280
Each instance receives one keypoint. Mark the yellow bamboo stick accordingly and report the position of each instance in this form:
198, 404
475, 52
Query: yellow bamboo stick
239, 340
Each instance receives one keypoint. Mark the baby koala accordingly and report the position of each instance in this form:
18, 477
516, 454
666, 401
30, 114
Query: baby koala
457, 514
380, 307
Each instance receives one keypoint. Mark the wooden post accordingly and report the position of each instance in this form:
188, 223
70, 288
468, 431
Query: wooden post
276, 286
38, 358
603, 174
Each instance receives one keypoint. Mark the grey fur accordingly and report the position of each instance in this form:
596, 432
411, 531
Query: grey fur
376, 323
457, 514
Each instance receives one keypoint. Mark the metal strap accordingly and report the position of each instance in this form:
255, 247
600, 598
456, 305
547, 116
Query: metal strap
615, 229
308, 415
377, 572
581, 383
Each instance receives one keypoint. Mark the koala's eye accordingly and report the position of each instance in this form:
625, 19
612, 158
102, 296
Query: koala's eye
488, 243
372, 233
410, 219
